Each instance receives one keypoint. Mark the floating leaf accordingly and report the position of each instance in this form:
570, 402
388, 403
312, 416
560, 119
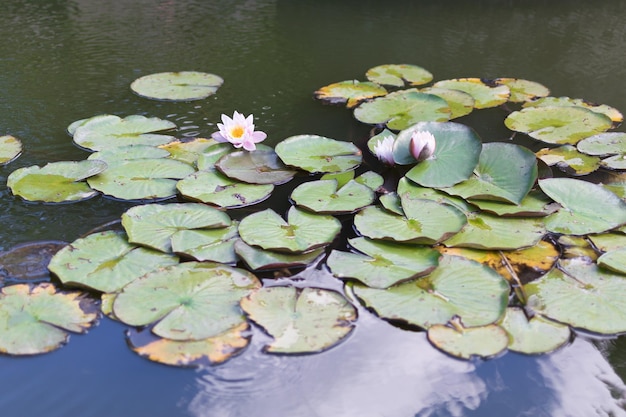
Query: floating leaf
614, 260
154, 225
10, 149
323, 196
604, 144
300, 320
569, 160
188, 150
461, 103
392, 203
456, 155
608, 241
56, 182
36, 319
458, 287
505, 172
105, 262
534, 335
211, 187
382, 264
206, 161
189, 301
216, 245
371, 180
96, 120
534, 204
177, 86
581, 295
119, 154
576, 247
608, 111
314, 153
401, 109
258, 167
484, 95
558, 125
398, 75
484, 341
351, 91
412, 190
580, 201
300, 233
258, 259
28, 261
523, 90
99, 133
615, 162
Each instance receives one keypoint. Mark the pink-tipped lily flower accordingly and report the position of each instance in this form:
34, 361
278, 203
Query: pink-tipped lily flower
384, 150
239, 131
422, 145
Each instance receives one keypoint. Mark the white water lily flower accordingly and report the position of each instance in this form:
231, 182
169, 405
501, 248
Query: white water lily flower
422, 145
384, 150
239, 131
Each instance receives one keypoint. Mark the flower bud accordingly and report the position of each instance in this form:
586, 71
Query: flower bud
422, 145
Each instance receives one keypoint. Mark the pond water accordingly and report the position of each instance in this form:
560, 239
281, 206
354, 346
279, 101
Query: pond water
64, 60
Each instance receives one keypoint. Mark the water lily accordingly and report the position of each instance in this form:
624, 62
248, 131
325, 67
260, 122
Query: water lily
422, 145
384, 150
239, 131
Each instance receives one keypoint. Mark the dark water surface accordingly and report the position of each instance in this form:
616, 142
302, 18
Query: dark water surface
64, 60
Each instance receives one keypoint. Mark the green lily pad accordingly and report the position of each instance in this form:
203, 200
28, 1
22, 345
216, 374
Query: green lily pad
36, 318
604, 144
484, 341
401, 109
611, 112
558, 125
300, 233
412, 190
216, 245
485, 96
568, 159
99, 119
382, 264
258, 167
608, 241
351, 92
523, 90
535, 204
461, 104
457, 287
615, 162
535, 335
188, 150
155, 225
141, 179
485, 231
10, 149
581, 295
580, 200
212, 187
398, 75
371, 180
28, 261
614, 260
305, 320
117, 155
99, 133
210, 351
177, 86
56, 182
616, 183
105, 262
456, 155
188, 301
259, 259
323, 196
209, 157
392, 203
314, 153
505, 172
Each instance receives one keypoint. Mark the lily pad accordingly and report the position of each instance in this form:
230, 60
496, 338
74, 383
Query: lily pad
458, 287
604, 144
189, 301
105, 262
558, 125
534, 204
371, 180
568, 159
119, 154
28, 261
382, 264
461, 104
212, 187
614, 260
412, 190
100, 133
523, 90
188, 150
216, 245
615, 162
305, 320
35, 319
461, 342
209, 157
535, 335
485, 96
456, 155
300, 233
154, 225
56, 182
323, 196
398, 75
10, 149
608, 241
259, 259
351, 92
314, 153
258, 167
611, 112
401, 109
580, 200
581, 295
505, 172
177, 86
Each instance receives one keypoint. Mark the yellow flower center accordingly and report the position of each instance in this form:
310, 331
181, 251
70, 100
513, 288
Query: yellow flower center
237, 132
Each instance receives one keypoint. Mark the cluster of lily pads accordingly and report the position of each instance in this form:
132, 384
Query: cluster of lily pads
477, 243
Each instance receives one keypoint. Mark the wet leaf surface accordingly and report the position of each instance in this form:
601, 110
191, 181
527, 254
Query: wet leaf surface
177, 86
